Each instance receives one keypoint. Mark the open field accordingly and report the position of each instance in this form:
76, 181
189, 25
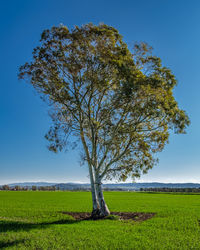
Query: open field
33, 220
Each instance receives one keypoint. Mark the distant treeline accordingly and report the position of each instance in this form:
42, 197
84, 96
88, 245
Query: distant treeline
175, 190
27, 188
50, 188
39, 188
60, 188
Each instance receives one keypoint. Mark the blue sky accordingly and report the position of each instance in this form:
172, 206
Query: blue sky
171, 27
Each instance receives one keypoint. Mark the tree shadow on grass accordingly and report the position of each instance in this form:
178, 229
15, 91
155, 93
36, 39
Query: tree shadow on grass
6, 226
4, 244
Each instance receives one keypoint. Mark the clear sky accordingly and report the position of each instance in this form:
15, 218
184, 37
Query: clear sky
171, 27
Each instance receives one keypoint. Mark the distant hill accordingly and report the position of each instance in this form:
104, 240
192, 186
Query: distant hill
30, 184
129, 186
112, 186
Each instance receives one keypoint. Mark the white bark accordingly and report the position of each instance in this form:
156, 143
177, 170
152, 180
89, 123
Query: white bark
104, 211
93, 191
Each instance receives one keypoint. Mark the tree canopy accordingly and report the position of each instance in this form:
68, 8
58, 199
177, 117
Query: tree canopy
118, 101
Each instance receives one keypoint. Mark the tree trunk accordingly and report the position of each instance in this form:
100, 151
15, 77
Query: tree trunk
104, 211
95, 202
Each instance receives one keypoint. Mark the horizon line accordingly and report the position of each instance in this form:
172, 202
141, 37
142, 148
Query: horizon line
79, 182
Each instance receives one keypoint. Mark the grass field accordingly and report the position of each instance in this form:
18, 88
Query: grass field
33, 220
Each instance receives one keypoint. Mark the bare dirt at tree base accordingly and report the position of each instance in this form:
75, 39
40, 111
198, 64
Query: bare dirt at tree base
79, 216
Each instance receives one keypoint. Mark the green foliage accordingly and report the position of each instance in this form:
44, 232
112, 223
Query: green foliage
33, 220
118, 102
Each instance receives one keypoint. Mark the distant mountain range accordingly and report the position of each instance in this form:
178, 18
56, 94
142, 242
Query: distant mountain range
112, 186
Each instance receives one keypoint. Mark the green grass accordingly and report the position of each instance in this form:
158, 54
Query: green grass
33, 220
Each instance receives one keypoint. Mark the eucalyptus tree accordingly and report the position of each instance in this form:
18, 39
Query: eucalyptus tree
118, 102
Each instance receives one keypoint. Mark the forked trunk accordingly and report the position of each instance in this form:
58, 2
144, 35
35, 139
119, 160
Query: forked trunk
100, 208
104, 211
95, 202
96, 207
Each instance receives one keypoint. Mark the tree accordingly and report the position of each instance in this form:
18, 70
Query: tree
34, 188
17, 188
118, 103
5, 187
